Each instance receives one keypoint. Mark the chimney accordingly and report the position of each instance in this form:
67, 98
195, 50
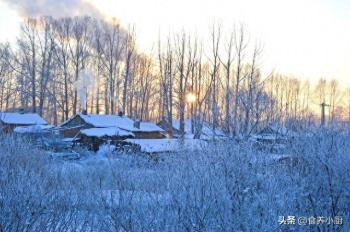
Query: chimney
120, 113
84, 112
137, 124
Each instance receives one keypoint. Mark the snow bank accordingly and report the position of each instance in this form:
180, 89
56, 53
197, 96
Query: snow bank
167, 145
106, 149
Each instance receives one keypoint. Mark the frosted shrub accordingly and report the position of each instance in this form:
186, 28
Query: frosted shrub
228, 186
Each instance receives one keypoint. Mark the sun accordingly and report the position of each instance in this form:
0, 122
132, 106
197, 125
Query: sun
191, 98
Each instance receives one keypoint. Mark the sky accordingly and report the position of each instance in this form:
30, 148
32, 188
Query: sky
308, 39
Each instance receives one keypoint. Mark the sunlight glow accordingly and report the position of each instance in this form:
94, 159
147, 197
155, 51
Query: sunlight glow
308, 39
191, 98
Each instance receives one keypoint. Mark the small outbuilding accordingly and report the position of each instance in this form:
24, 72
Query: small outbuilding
197, 130
9, 121
147, 130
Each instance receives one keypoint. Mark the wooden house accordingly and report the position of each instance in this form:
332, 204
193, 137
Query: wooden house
147, 130
273, 133
94, 137
200, 130
72, 127
93, 129
9, 121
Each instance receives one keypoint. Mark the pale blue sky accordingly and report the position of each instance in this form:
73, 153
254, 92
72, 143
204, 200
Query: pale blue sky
310, 39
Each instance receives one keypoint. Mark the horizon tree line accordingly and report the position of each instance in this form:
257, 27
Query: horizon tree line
39, 74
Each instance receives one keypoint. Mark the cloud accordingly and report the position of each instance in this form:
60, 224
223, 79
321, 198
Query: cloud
55, 8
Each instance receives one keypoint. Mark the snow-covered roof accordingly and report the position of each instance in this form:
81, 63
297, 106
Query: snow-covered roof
68, 140
104, 120
22, 119
207, 132
33, 129
122, 122
110, 131
148, 127
167, 145
274, 128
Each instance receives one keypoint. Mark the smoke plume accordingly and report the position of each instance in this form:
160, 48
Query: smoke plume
54, 8
82, 85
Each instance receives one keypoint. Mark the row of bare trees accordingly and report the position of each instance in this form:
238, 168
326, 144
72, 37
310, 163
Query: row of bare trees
40, 71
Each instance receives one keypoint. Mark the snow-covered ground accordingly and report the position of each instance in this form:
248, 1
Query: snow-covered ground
221, 186
168, 145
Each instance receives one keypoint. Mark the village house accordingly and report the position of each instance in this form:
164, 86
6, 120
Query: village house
9, 121
273, 133
95, 129
200, 131
94, 137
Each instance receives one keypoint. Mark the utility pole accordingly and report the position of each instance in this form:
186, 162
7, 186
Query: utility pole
323, 114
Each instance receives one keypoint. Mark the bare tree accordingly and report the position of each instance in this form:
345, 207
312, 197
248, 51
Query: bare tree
252, 87
5, 76
182, 80
227, 64
215, 61
47, 46
129, 55
240, 47
112, 53
62, 34
28, 45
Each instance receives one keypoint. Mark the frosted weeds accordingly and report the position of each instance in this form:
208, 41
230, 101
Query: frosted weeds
226, 187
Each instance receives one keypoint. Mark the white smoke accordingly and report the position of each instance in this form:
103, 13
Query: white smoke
82, 85
54, 8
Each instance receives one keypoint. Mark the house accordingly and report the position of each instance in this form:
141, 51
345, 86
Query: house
274, 129
9, 121
273, 133
272, 138
72, 127
199, 130
147, 130
95, 129
94, 137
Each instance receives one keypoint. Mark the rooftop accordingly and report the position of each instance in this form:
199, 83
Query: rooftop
110, 132
22, 119
116, 121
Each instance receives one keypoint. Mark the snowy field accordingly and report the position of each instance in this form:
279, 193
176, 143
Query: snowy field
222, 186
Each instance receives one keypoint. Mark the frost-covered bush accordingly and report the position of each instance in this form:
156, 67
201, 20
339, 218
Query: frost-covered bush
226, 186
